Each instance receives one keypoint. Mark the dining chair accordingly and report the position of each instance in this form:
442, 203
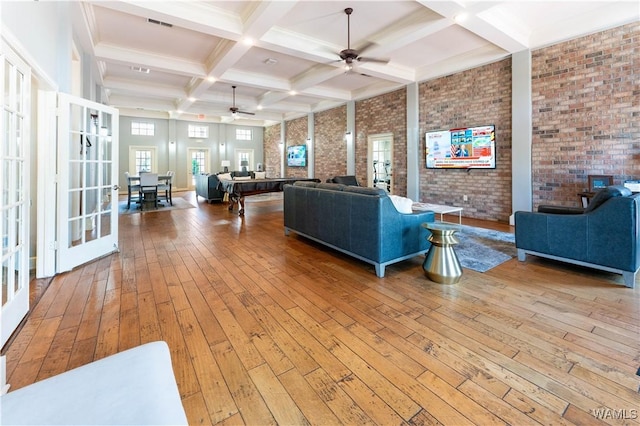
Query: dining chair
148, 189
132, 189
165, 187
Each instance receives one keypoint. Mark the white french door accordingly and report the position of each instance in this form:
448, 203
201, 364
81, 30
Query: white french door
14, 184
87, 181
198, 159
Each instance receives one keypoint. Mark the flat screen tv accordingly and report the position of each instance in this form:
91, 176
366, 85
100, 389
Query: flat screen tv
297, 156
463, 148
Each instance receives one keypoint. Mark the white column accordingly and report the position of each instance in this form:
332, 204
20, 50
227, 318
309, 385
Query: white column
311, 156
413, 142
351, 138
521, 133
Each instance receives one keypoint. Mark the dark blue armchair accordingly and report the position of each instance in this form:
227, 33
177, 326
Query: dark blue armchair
604, 236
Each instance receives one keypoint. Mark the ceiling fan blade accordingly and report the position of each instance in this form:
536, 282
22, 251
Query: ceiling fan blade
246, 112
366, 47
379, 61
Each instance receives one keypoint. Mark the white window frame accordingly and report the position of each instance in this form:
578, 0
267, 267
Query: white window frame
244, 134
132, 158
198, 131
240, 154
143, 128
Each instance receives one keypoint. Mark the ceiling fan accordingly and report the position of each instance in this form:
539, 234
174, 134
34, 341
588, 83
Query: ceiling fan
349, 55
235, 111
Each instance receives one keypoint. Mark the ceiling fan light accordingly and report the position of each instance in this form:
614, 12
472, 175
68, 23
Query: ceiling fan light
348, 67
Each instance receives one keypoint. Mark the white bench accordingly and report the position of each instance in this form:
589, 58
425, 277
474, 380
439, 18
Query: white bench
133, 387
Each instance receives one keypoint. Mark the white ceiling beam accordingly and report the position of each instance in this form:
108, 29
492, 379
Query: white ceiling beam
490, 31
143, 88
198, 16
133, 57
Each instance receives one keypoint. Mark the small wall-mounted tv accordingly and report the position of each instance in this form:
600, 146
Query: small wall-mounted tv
297, 156
463, 148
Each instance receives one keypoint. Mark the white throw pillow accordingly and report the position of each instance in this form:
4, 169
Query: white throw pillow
260, 175
242, 178
402, 204
224, 176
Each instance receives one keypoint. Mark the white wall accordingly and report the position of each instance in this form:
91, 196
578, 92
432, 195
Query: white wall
221, 144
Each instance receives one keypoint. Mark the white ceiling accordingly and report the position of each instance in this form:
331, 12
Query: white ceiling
194, 62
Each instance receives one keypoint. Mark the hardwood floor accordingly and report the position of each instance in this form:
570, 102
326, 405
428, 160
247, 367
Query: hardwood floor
268, 329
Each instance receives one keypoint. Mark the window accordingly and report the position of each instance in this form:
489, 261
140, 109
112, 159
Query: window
244, 134
142, 159
196, 131
142, 129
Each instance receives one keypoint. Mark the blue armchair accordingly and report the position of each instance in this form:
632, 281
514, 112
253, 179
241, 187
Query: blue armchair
603, 236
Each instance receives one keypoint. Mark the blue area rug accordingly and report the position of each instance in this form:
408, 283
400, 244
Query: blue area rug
482, 249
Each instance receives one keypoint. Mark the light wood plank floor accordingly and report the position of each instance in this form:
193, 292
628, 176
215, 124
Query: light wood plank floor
268, 329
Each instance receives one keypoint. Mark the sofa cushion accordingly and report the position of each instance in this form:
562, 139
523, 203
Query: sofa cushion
331, 186
242, 178
260, 175
402, 204
365, 190
224, 176
604, 194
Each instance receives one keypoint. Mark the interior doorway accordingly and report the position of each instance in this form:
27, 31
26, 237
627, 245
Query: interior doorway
379, 171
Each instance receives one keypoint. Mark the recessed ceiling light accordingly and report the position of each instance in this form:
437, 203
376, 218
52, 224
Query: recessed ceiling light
192, 99
248, 41
211, 79
293, 93
461, 17
259, 107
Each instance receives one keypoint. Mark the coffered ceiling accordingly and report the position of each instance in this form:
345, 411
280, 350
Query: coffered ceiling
180, 59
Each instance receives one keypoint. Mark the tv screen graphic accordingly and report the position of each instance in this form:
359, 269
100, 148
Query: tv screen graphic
297, 156
463, 148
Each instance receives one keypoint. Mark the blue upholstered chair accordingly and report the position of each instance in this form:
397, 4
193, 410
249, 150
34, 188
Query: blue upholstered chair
603, 236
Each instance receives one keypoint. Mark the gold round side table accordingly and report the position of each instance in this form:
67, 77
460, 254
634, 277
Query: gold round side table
441, 263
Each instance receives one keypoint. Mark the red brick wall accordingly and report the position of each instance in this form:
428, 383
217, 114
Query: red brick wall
272, 152
296, 134
586, 113
330, 147
383, 114
475, 97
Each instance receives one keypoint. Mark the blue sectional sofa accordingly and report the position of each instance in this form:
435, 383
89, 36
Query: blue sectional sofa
603, 236
359, 221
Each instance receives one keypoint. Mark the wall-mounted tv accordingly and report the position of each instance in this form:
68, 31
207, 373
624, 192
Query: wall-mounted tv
297, 156
463, 148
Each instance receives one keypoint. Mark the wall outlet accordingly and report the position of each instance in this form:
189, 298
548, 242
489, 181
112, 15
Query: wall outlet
465, 198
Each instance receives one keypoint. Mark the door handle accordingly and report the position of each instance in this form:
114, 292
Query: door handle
116, 187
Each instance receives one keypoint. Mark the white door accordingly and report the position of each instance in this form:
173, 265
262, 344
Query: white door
198, 159
87, 181
14, 184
